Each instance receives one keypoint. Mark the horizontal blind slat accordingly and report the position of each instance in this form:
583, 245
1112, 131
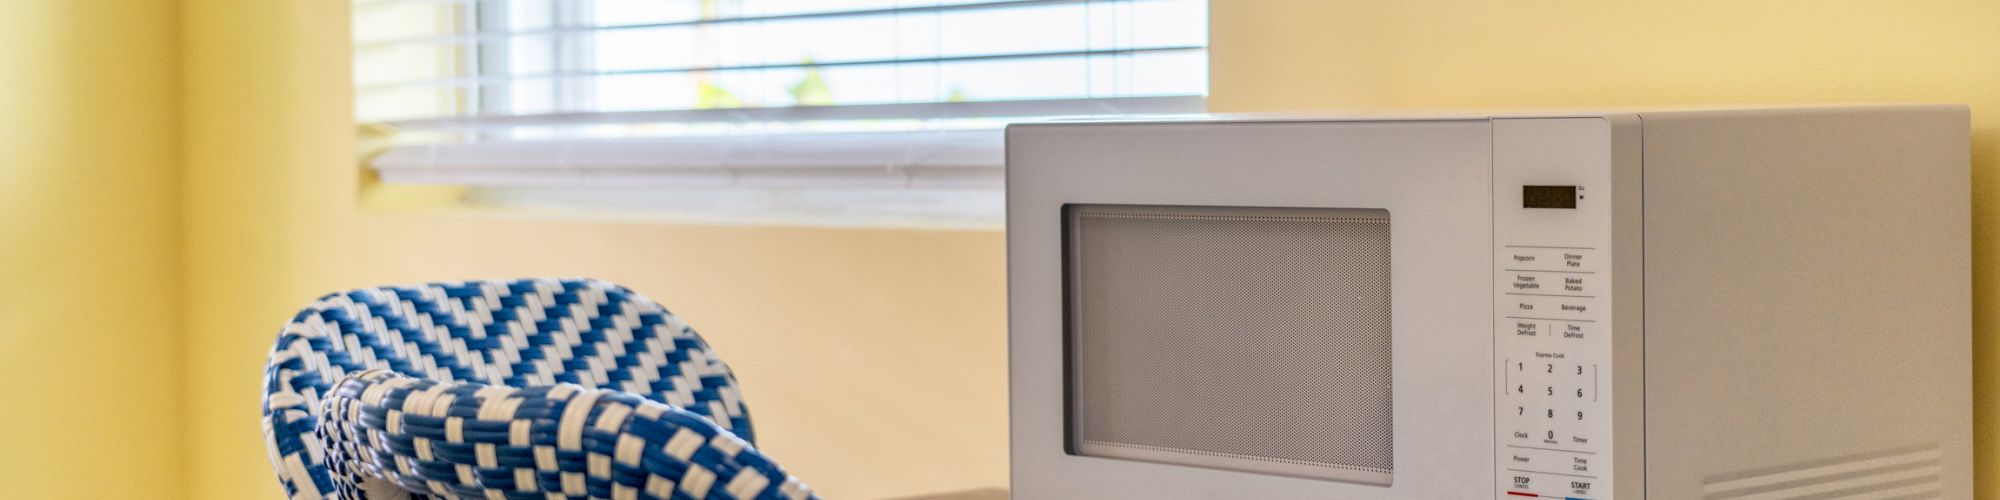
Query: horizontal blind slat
913, 111
508, 79
924, 9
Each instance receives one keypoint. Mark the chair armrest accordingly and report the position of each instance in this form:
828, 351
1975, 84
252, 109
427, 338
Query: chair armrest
479, 441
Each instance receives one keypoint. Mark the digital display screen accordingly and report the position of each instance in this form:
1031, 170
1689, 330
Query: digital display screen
1548, 196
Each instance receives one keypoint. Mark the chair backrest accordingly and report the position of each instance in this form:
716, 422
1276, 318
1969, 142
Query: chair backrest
519, 333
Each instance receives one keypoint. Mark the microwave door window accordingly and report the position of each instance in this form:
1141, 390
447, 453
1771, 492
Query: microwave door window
1248, 339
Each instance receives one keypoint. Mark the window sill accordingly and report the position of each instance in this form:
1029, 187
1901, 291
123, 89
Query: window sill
925, 179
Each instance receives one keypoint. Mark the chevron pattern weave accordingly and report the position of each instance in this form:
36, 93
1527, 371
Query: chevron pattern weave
507, 389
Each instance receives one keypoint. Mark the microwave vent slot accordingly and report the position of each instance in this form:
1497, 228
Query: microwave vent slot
1899, 473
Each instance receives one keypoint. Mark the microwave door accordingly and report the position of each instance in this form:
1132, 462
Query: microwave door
1287, 309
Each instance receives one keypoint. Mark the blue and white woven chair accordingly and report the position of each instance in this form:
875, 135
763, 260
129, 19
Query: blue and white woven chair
507, 389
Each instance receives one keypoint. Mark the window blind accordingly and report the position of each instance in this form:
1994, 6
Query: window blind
744, 93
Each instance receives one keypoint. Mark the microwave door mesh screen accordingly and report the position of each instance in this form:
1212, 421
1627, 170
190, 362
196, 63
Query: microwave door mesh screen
1251, 339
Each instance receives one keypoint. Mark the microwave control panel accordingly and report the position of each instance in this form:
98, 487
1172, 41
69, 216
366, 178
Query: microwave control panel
1552, 309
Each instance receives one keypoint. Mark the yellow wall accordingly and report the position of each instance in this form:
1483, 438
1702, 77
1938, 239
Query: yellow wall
89, 317
812, 318
1365, 55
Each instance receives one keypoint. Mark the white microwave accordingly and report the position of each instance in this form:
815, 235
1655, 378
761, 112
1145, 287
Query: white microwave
1731, 304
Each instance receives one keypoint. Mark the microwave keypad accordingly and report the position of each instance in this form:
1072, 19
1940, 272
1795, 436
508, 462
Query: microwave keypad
1552, 415
1553, 237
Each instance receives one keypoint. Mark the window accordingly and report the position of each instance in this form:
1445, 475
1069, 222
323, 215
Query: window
725, 102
